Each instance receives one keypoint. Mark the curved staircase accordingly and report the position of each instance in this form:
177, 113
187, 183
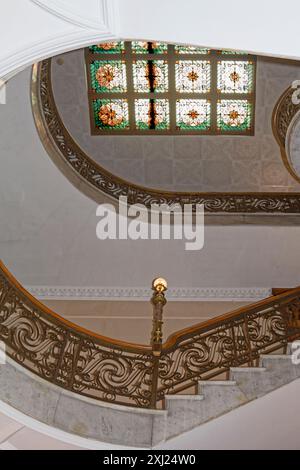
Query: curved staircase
105, 391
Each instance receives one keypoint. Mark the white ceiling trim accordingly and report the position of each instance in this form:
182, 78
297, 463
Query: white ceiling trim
65, 11
143, 293
49, 48
107, 29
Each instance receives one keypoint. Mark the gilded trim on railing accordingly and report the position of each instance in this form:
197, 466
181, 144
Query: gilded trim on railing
131, 374
95, 181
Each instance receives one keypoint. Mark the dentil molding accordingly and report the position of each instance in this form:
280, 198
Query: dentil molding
251, 294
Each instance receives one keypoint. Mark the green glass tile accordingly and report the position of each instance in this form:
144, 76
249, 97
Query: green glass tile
108, 76
191, 50
193, 114
150, 76
108, 48
142, 47
234, 115
192, 76
235, 76
111, 114
152, 114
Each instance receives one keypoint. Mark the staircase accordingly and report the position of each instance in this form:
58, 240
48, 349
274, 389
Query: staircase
93, 389
215, 398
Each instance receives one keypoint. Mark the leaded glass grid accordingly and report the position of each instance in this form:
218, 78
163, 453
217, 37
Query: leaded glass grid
149, 88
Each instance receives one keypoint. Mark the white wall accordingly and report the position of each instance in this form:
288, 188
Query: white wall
267, 27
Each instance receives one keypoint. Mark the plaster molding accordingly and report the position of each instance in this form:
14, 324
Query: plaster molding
143, 293
107, 29
64, 10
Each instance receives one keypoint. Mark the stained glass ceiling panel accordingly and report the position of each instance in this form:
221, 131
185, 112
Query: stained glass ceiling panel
109, 48
191, 50
108, 76
152, 114
151, 87
150, 76
140, 47
192, 76
235, 76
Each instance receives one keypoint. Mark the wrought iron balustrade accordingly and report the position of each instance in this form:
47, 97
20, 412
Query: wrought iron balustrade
136, 375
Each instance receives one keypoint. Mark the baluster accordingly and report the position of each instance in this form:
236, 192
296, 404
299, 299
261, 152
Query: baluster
158, 300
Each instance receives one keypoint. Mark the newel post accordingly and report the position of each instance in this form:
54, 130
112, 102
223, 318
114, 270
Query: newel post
158, 301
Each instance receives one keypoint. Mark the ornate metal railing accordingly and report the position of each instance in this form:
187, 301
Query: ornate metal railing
283, 114
136, 375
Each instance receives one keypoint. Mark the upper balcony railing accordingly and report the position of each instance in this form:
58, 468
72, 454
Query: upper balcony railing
283, 117
136, 375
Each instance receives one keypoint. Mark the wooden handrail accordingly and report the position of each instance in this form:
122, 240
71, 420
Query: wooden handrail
56, 317
269, 302
132, 374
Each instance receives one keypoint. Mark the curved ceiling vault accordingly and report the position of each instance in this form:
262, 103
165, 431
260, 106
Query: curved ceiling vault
58, 26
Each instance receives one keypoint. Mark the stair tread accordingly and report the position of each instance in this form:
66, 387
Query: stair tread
184, 397
276, 356
247, 369
217, 382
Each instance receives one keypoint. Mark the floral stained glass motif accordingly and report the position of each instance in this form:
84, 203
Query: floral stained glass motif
234, 115
191, 50
153, 87
192, 76
108, 76
111, 114
235, 76
142, 47
193, 114
150, 76
108, 48
152, 114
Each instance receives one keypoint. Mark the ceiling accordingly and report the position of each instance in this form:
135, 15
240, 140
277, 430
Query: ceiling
183, 163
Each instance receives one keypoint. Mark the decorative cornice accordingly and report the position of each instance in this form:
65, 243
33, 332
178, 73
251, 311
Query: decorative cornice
144, 293
83, 34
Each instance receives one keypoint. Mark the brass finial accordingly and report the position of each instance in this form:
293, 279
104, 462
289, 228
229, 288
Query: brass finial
159, 284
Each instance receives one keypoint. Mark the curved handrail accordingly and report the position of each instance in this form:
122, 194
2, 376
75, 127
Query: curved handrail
269, 302
284, 112
105, 340
131, 374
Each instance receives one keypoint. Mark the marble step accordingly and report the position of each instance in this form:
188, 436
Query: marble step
291, 347
213, 399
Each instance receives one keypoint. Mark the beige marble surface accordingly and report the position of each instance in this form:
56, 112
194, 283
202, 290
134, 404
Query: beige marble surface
132, 321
